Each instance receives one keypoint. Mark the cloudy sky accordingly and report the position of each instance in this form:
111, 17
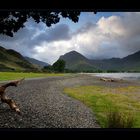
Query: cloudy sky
97, 36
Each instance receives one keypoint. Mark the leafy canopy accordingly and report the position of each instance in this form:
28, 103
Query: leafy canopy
12, 21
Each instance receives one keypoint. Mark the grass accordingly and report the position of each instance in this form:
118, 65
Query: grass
121, 104
120, 120
4, 76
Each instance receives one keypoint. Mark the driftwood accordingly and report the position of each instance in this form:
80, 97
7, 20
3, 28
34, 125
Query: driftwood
7, 100
110, 80
107, 79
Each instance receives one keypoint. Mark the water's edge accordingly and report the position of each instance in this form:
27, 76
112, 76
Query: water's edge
125, 76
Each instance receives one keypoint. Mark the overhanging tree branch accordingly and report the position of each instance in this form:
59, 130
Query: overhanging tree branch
12, 21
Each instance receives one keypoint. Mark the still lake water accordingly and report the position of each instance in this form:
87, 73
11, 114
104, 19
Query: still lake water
125, 76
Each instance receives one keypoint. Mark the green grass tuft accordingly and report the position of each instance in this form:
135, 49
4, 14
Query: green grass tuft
120, 120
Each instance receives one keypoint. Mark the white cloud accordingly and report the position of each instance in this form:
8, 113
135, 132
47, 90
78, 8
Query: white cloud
51, 51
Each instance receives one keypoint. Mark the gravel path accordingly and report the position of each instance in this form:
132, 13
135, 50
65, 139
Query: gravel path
44, 105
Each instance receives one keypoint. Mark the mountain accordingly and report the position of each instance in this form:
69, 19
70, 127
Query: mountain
36, 62
128, 63
76, 61
11, 60
133, 57
131, 62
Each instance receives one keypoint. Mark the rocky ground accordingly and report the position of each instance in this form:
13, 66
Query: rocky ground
43, 105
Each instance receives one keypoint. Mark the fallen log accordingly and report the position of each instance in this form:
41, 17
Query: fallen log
108, 80
7, 100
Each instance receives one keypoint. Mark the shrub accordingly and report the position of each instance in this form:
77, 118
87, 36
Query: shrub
120, 120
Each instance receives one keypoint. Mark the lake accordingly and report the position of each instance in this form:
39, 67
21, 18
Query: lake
125, 76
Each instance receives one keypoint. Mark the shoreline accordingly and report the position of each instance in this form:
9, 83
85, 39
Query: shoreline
101, 75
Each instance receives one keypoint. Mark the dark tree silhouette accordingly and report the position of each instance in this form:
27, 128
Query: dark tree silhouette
59, 65
12, 21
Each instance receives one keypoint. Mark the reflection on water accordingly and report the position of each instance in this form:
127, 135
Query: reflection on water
127, 76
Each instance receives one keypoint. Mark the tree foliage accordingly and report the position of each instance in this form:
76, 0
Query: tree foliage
12, 21
48, 69
59, 66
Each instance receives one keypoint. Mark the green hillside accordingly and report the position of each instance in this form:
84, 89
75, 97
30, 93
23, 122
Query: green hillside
78, 62
11, 60
37, 63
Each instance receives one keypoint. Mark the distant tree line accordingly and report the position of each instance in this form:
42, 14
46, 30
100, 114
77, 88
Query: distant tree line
59, 67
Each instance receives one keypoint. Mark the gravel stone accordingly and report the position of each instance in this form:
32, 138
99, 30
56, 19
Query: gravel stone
43, 104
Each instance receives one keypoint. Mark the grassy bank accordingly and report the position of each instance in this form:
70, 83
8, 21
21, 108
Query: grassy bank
110, 105
17, 75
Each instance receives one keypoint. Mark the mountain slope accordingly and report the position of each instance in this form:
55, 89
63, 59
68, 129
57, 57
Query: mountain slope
76, 61
131, 62
36, 62
11, 60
